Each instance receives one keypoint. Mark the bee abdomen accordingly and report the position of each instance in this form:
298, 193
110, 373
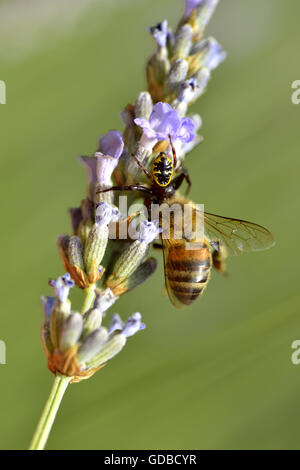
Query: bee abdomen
188, 273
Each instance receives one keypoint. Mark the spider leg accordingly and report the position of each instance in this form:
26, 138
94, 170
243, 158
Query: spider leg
142, 166
184, 175
134, 187
173, 152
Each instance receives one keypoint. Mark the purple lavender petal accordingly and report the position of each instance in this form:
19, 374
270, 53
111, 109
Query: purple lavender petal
186, 132
112, 144
47, 305
90, 164
149, 231
61, 286
159, 33
133, 325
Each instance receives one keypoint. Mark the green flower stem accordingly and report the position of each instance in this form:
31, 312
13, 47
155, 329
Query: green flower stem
48, 416
59, 387
89, 298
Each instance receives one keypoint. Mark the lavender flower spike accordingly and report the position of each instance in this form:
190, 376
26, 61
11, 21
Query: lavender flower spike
61, 287
160, 33
164, 121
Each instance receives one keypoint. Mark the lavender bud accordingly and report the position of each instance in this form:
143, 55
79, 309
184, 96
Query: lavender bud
94, 250
92, 320
59, 312
110, 349
96, 242
75, 252
210, 53
117, 341
91, 345
84, 230
177, 74
143, 105
204, 12
70, 331
132, 257
183, 41
202, 77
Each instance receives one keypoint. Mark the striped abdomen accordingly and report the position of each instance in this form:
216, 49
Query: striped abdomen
187, 273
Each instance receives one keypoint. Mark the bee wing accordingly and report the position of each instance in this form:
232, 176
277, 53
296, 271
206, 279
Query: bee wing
237, 235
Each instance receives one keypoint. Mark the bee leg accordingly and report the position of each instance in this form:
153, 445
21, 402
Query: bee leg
219, 256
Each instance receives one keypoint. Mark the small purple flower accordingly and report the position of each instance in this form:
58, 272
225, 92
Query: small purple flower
186, 131
133, 325
112, 144
105, 213
149, 231
213, 54
115, 324
190, 5
61, 286
188, 90
160, 33
164, 121
101, 166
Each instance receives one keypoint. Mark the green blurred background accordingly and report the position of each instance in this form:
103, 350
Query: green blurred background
218, 374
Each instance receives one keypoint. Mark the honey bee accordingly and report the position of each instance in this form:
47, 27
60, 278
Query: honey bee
187, 267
